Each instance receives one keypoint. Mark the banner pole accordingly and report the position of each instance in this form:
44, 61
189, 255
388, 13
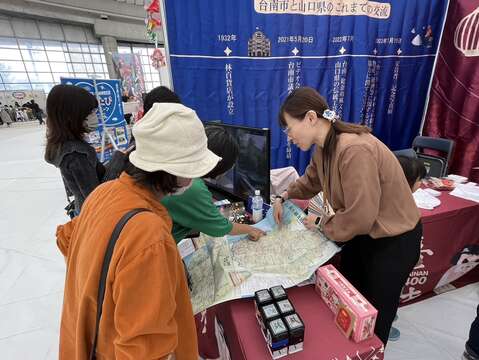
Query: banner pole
424, 113
165, 37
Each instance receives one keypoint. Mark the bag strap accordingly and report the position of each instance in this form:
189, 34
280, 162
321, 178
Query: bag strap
104, 271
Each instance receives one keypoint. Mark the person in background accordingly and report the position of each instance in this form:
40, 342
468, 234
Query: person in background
471, 351
414, 170
20, 114
117, 164
193, 210
159, 94
124, 99
12, 113
375, 215
71, 114
5, 116
28, 110
146, 312
37, 112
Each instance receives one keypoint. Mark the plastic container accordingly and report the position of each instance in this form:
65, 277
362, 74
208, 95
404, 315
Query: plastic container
257, 207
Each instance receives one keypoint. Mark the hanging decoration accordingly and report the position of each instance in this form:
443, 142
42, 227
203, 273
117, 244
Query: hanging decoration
153, 21
158, 59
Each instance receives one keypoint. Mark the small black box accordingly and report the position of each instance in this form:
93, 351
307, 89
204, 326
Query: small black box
278, 293
269, 312
295, 327
262, 297
277, 337
285, 307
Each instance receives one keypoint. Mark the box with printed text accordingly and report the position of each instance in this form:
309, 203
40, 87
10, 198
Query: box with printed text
354, 315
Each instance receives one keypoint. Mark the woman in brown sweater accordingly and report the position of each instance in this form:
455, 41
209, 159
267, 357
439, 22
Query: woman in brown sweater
374, 214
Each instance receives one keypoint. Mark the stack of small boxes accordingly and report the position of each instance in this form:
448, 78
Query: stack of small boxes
281, 326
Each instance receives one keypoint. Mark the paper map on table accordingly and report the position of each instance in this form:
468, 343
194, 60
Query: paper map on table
232, 267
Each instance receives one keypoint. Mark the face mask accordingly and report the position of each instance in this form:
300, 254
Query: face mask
91, 122
182, 190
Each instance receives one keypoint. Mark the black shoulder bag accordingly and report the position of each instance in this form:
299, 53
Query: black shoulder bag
104, 271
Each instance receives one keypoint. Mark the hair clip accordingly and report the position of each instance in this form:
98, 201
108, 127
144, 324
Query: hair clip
330, 115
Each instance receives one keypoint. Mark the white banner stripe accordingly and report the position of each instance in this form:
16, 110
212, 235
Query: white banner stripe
300, 57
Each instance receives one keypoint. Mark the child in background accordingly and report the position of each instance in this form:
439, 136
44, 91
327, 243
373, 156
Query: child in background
414, 171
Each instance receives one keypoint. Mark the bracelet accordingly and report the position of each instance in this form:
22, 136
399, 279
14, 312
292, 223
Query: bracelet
280, 197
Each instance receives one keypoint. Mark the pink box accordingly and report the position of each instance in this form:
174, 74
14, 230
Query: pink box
337, 292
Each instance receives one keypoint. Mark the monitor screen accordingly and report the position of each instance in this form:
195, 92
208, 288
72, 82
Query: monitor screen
251, 171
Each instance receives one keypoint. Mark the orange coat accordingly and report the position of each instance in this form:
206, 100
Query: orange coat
147, 311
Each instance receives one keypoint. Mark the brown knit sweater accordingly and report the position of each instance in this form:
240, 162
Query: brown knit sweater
368, 190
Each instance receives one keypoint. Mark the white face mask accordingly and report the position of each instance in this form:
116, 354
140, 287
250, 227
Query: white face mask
181, 190
91, 122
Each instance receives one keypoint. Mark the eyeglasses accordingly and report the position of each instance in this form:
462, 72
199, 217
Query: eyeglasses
287, 129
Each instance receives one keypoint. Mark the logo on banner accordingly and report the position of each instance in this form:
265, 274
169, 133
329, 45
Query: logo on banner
19, 95
466, 34
259, 45
417, 277
108, 103
423, 40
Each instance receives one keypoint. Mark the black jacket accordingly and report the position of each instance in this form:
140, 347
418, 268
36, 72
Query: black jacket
80, 169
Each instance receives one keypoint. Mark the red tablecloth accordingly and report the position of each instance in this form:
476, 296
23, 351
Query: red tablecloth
450, 246
323, 340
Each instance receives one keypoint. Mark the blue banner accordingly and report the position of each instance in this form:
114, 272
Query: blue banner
111, 108
236, 61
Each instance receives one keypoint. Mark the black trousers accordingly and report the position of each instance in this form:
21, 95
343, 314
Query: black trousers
379, 268
472, 344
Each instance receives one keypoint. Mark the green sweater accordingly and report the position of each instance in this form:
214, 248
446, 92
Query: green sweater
194, 211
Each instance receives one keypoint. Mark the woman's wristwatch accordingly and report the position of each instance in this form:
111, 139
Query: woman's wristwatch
317, 222
279, 197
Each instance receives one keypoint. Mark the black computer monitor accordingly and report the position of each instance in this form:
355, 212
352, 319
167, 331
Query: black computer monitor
251, 171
